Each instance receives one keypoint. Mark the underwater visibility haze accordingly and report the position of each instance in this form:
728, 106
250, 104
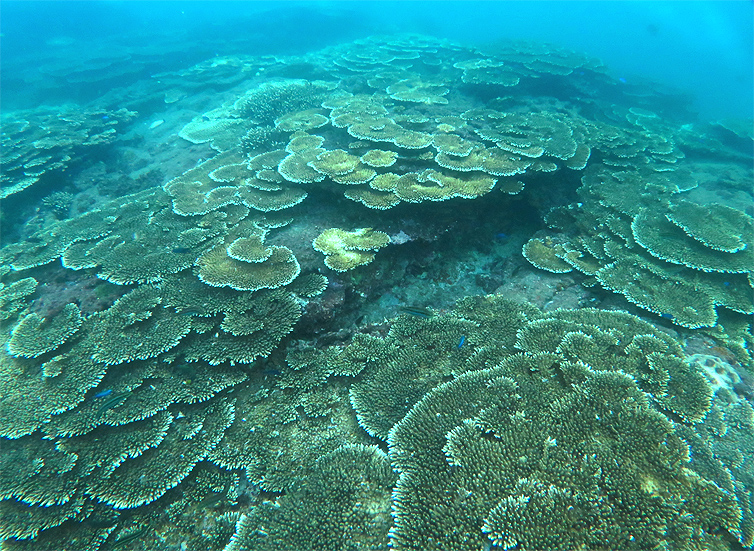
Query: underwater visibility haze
371, 275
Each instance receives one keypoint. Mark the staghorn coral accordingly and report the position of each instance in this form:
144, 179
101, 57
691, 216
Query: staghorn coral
271, 100
59, 202
395, 379
498, 441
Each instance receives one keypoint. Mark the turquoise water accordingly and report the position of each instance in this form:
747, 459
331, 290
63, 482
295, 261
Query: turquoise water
376, 275
701, 48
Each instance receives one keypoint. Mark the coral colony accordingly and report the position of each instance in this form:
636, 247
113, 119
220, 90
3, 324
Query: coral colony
490, 424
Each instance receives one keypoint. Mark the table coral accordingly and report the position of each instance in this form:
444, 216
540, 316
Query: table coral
193, 388
344, 250
34, 335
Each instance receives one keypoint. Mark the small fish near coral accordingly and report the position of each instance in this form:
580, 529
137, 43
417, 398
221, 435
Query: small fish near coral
111, 402
418, 311
129, 538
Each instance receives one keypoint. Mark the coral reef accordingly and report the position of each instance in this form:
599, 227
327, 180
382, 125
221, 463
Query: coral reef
637, 236
223, 392
514, 428
346, 499
345, 250
59, 203
39, 141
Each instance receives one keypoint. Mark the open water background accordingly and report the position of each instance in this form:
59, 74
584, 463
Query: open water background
701, 48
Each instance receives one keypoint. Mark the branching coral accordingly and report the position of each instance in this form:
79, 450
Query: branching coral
506, 426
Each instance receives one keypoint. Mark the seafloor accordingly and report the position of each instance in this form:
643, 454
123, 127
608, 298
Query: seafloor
397, 292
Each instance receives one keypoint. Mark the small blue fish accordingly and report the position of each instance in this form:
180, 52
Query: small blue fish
726, 283
667, 316
502, 236
623, 80
105, 117
461, 342
103, 393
